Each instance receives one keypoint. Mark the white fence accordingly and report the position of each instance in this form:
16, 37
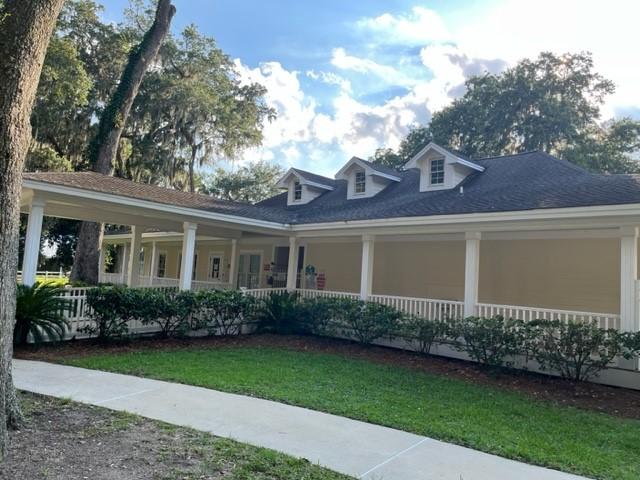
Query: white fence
46, 274
424, 307
527, 314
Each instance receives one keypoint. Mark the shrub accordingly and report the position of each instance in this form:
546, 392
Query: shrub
366, 321
577, 351
280, 313
110, 309
223, 312
40, 312
489, 341
425, 332
317, 316
171, 311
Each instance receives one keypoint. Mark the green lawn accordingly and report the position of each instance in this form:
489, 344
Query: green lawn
484, 418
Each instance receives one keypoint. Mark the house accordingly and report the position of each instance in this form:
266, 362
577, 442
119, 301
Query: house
527, 235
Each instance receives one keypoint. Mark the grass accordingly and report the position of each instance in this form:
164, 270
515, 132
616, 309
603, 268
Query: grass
485, 418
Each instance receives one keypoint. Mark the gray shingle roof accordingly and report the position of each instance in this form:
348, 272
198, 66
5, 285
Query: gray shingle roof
312, 177
526, 181
381, 168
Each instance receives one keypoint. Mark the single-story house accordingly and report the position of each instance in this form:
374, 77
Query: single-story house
528, 235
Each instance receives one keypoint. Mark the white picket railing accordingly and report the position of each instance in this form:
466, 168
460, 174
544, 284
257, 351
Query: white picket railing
423, 307
262, 292
527, 314
307, 293
114, 278
78, 317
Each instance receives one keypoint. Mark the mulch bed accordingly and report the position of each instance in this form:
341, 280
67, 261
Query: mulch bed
601, 398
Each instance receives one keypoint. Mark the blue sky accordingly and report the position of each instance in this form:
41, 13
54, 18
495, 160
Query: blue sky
348, 77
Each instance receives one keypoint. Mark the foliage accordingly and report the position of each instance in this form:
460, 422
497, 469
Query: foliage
367, 321
318, 315
40, 312
251, 183
280, 313
110, 310
171, 311
489, 341
424, 331
223, 312
551, 103
578, 351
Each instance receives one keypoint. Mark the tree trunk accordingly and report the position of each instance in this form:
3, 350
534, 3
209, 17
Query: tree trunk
104, 146
25, 30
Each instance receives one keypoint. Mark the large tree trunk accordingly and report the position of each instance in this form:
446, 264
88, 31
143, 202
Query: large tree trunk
25, 30
103, 148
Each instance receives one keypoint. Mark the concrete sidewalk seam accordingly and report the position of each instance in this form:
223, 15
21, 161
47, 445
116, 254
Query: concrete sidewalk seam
120, 397
393, 457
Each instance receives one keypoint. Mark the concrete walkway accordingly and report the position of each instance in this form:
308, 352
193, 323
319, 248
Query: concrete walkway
356, 448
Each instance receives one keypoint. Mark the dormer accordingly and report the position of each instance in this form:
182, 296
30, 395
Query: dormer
441, 169
302, 187
365, 179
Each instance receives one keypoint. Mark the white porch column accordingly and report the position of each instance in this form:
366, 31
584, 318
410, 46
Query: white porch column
124, 262
366, 271
471, 272
101, 263
233, 264
188, 252
154, 262
133, 272
292, 265
628, 276
32, 242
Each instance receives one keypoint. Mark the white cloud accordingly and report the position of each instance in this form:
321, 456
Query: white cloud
419, 27
330, 78
342, 60
513, 29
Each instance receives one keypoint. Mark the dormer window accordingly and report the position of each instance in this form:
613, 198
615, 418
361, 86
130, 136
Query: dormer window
297, 191
360, 183
437, 171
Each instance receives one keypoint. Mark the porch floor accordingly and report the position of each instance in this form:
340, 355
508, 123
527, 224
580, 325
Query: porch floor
349, 446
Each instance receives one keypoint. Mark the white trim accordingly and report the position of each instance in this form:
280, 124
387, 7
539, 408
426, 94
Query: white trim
163, 207
367, 168
284, 183
413, 162
216, 254
253, 252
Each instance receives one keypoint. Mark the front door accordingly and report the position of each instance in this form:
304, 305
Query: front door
249, 270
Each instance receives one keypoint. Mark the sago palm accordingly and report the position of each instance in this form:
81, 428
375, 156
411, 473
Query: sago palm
40, 312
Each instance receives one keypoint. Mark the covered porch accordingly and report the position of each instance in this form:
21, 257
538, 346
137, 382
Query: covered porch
555, 264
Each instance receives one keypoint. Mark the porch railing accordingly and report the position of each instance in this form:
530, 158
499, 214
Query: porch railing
78, 314
307, 293
423, 307
527, 314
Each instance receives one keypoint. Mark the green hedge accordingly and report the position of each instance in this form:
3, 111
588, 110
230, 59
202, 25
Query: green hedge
577, 351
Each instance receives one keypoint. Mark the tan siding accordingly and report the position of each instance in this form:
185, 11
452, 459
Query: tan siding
419, 269
340, 262
582, 274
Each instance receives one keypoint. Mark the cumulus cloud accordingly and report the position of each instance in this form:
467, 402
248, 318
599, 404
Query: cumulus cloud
340, 59
419, 27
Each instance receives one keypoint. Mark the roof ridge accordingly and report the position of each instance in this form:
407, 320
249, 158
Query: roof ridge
492, 157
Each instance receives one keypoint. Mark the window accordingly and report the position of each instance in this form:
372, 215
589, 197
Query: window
297, 191
162, 265
361, 182
215, 267
437, 171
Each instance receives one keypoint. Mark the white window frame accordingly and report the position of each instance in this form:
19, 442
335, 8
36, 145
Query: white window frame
357, 183
260, 270
297, 190
439, 172
221, 275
